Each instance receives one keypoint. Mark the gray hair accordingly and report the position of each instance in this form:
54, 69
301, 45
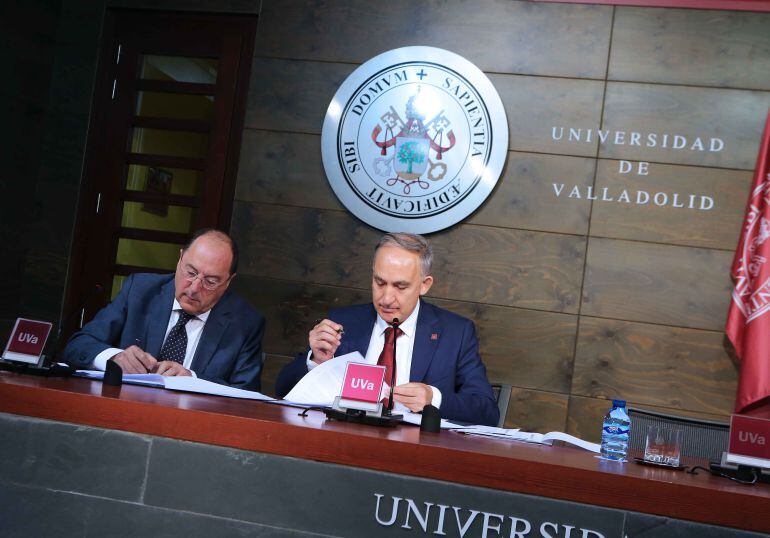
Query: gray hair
412, 243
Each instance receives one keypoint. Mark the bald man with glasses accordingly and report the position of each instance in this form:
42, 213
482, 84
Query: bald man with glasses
187, 323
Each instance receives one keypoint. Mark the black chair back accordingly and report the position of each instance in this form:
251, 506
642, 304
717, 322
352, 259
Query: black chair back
701, 438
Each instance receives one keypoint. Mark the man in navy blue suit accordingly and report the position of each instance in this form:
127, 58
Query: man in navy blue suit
437, 355
187, 323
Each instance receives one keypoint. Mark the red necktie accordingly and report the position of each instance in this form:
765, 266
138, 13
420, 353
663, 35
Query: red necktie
388, 356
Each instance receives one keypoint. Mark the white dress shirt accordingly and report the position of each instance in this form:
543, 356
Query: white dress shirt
404, 348
194, 329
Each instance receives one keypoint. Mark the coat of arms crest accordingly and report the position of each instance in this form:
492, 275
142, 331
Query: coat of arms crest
412, 143
414, 140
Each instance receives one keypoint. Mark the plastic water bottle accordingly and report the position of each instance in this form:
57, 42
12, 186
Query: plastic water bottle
615, 432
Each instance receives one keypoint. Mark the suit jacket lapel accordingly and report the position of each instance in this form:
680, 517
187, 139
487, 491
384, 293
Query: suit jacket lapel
361, 333
159, 312
426, 339
215, 327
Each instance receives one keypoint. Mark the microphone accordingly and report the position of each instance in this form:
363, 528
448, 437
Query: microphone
431, 419
113, 374
395, 324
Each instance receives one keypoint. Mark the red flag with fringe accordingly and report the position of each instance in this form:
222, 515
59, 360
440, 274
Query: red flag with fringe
748, 320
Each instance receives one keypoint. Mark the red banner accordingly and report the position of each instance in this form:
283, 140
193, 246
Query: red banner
748, 321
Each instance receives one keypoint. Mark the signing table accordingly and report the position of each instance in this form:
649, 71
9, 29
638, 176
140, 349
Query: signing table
128, 460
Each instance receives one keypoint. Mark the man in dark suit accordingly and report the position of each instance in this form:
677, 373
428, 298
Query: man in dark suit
437, 359
187, 323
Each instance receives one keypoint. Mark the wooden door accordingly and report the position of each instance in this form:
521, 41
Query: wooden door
163, 147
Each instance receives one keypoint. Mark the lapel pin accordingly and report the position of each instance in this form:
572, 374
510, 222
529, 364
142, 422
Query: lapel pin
434, 336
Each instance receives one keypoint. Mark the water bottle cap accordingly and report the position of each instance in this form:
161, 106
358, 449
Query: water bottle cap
619, 403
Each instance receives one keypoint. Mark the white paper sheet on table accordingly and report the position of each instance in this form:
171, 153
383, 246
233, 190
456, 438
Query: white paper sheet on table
194, 384
529, 437
150, 380
324, 382
181, 383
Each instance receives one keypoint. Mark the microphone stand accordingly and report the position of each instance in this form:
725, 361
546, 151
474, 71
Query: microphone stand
388, 419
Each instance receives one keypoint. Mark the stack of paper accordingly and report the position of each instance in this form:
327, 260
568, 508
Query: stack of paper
324, 382
151, 380
181, 383
528, 437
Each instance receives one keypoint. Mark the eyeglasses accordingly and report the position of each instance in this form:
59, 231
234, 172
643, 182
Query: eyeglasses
209, 283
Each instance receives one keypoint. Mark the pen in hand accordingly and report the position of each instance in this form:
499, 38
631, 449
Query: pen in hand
340, 331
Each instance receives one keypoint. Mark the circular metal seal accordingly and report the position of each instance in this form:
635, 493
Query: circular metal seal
414, 140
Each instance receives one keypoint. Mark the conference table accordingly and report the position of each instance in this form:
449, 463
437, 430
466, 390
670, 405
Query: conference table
209, 462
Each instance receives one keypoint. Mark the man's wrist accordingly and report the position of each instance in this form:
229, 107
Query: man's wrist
309, 362
100, 361
436, 400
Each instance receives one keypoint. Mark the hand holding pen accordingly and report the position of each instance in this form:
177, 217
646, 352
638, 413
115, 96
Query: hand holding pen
324, 339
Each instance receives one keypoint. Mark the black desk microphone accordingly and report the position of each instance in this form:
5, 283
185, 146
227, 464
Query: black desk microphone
113, 374
431, 419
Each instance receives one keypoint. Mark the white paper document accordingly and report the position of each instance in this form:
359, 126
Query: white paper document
181, 383
489, 431
529, 437
324, 382
151, 380
194, 384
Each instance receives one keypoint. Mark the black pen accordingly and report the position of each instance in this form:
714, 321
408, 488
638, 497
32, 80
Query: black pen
339, 331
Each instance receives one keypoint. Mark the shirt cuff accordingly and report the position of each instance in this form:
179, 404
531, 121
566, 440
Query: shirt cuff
309, 362
100, 361
436, 402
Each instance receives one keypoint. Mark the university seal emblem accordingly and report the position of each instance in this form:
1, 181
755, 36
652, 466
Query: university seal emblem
414, 140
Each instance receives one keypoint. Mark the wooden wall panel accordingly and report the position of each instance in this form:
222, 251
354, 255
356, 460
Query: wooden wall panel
533, 105
299, 93
679, 286
270, 370
291, 95
660, 221
683, 46
524, 348
474, 263
584, 419
283, 168
658, 365
292, 307
509, 267
537, 39
536, 411
524, 196
735, 116
306, 245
